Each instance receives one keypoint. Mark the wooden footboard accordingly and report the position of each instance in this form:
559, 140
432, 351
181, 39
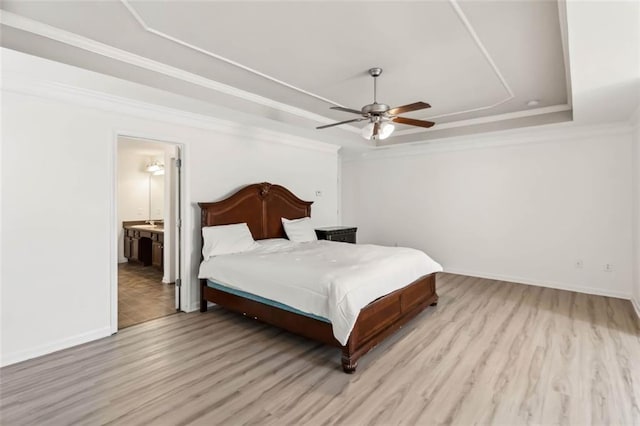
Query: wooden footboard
376, 321
383, 317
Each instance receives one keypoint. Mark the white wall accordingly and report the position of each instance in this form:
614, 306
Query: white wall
133, 189
133, 186
604, 63
59, 220
525, 213
605, 71
156, 197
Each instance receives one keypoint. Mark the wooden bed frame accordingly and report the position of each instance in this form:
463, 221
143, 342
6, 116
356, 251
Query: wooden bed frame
262, 206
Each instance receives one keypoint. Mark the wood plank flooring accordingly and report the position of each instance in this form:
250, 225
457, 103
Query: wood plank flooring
490, 353
142, 296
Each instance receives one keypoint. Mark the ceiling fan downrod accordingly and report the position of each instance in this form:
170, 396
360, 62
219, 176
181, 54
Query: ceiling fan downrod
375, 72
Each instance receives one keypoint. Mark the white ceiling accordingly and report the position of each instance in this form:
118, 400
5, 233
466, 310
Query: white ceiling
477, 63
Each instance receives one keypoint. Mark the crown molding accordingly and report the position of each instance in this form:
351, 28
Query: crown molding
36, 27
562, 15
84, 43
206, 52
454, 4
120, 105
539, 134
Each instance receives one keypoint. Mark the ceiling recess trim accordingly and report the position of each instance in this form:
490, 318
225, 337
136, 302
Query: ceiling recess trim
505, 116
72, 39
556, 132
76, 40
489, 119
147, 28
489, 59
454, 4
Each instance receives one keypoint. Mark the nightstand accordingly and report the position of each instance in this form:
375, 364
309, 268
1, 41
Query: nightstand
344, 234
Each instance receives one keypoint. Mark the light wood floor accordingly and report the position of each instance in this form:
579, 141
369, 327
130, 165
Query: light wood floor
142, 296
489, 353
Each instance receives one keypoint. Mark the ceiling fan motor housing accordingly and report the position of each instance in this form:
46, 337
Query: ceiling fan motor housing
375, 108
379, 115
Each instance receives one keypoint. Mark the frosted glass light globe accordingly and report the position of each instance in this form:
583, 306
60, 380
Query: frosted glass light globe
367, 131
385, 130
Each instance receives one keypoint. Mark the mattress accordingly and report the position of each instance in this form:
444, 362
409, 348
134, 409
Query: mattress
262, 300
327, 279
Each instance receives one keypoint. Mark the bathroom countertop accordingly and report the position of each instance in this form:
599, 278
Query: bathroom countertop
144, 227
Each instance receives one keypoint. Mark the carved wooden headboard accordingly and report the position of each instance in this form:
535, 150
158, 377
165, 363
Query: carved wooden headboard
261, 206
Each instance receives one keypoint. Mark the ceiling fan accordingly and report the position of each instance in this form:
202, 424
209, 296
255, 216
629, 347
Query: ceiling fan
380, 116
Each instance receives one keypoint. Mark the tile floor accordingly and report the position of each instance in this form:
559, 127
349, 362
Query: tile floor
141, 295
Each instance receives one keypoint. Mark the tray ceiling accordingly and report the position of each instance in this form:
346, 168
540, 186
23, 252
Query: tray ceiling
475, 62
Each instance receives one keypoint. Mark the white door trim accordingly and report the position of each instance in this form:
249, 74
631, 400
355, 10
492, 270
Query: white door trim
185, 290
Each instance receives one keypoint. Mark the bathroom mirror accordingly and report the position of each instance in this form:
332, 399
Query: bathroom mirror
156, 197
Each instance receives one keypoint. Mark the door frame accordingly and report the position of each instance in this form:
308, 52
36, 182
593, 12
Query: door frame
181, 260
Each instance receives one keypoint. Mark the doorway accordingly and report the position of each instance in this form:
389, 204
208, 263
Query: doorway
148, 228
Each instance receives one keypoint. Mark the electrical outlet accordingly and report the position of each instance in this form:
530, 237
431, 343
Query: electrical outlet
608, 267
579, 264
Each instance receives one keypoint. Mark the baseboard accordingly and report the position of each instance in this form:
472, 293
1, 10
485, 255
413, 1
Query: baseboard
548, 284
636, 305
12, 358
195, 306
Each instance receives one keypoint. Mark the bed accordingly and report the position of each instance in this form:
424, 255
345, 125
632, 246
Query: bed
262, 206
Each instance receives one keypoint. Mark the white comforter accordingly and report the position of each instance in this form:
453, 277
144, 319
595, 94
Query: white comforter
329, 279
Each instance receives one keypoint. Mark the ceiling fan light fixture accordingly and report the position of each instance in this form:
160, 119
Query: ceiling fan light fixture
367, 131
385, 130
379, 115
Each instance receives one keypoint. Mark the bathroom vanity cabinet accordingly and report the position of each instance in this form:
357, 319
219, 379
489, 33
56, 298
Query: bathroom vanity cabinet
144, 243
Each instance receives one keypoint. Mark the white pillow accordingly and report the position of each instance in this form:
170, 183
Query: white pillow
299, 230
226, 239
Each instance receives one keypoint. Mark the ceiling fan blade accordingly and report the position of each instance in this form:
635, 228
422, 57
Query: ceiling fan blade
408, 108
413, 122
352, 111
339, 123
